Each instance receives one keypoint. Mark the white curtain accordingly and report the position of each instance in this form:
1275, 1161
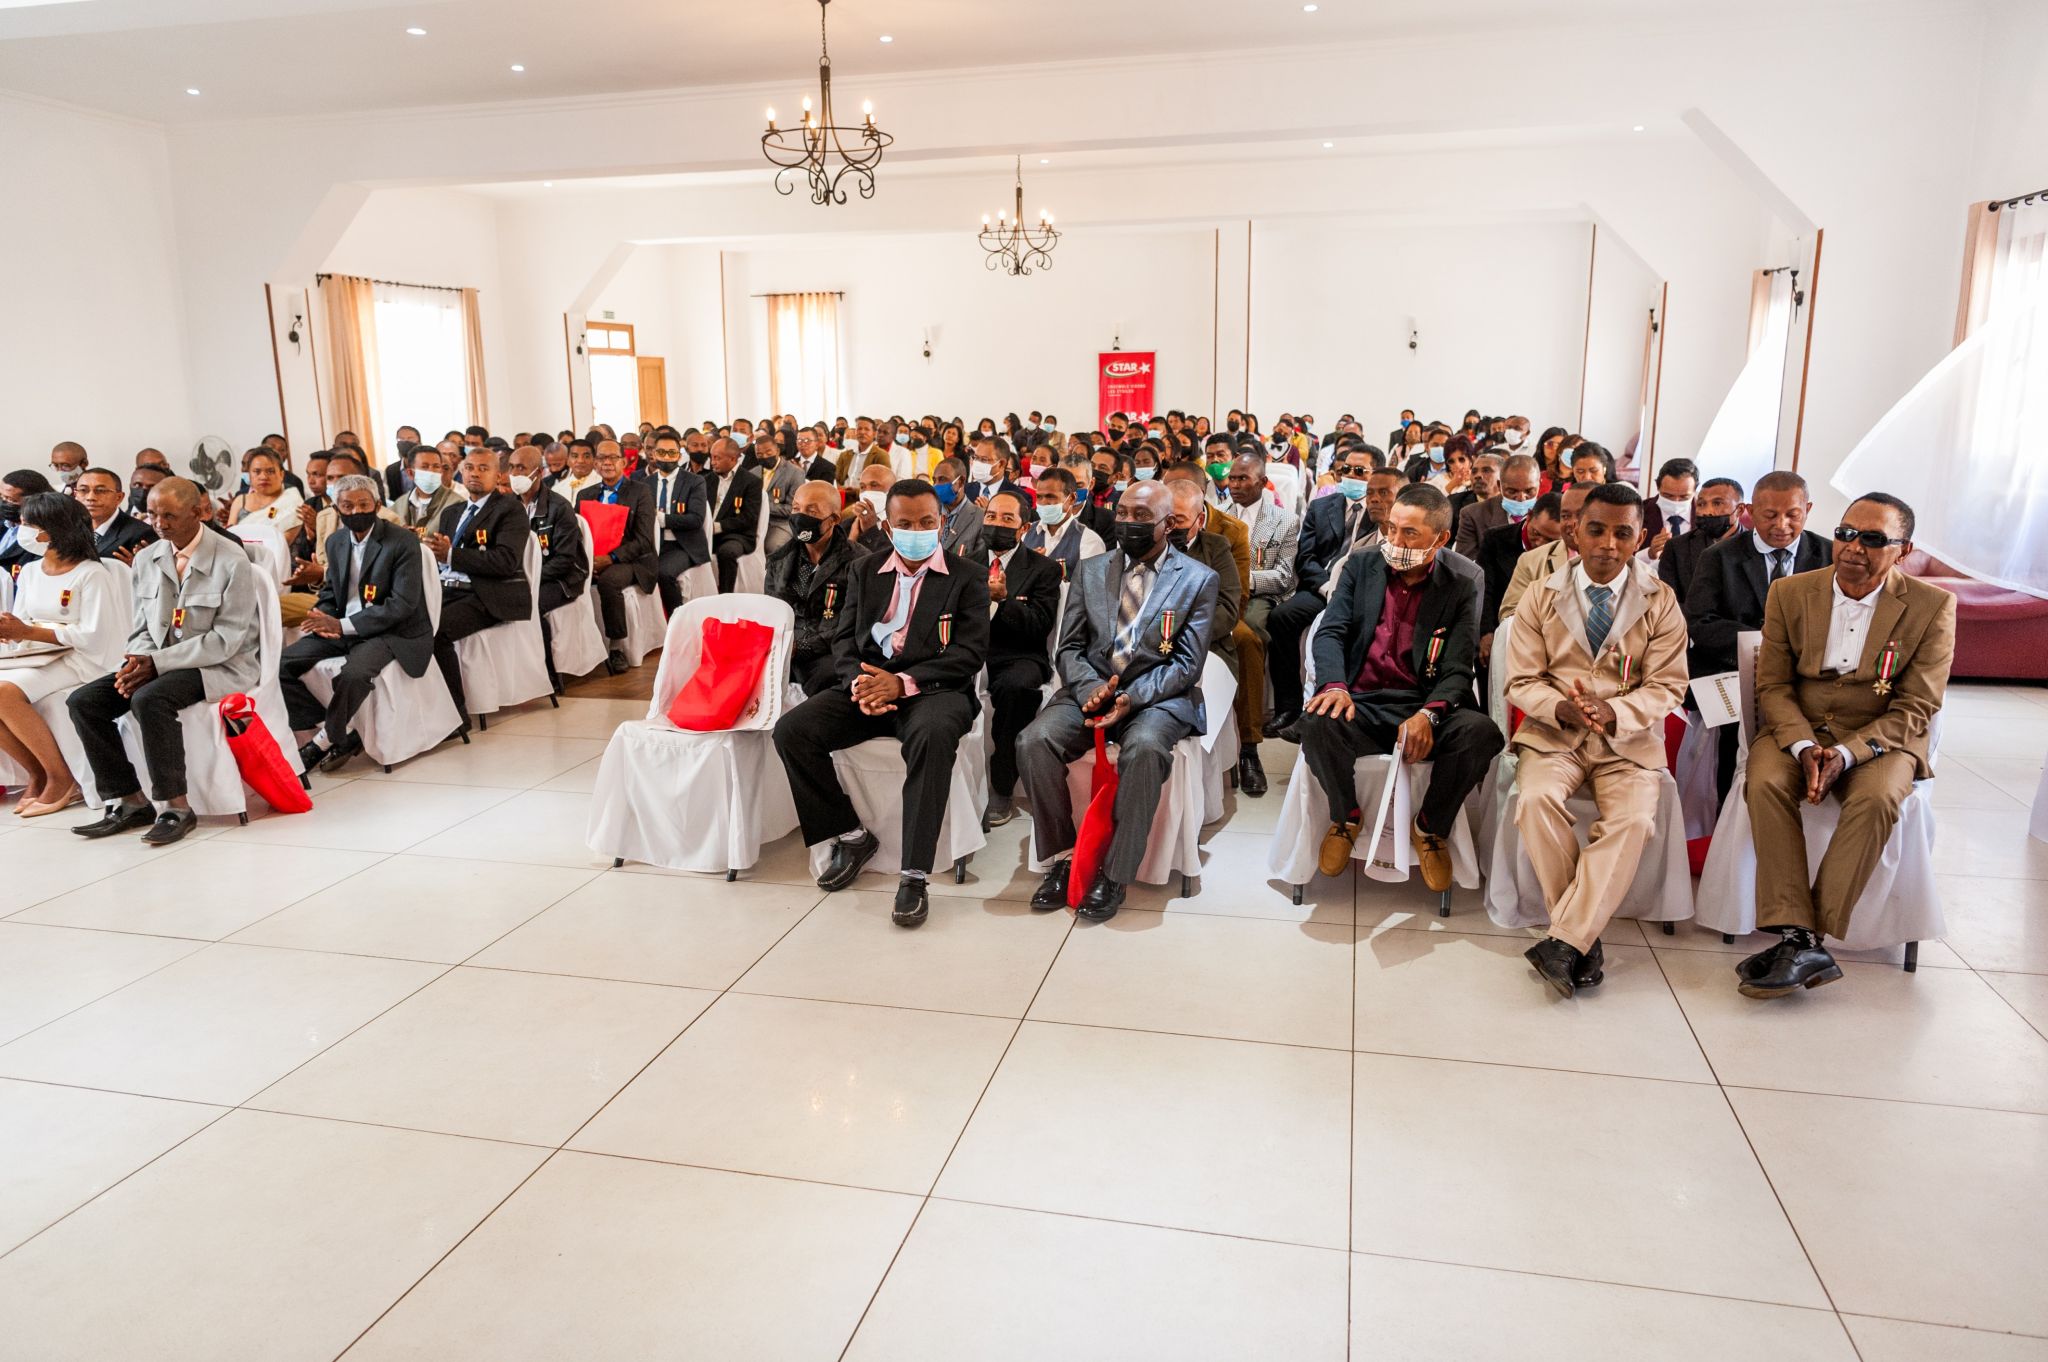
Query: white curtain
422, 376
1964, 447
803, 354
1742, 442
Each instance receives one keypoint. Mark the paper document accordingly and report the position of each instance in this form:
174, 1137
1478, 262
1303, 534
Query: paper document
1718, 697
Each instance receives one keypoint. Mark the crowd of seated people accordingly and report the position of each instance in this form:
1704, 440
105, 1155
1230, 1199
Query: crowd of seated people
1070, 581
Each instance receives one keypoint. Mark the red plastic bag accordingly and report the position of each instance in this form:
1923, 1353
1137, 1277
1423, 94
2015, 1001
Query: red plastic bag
721, 691
607, 525
257, 757
1098, 825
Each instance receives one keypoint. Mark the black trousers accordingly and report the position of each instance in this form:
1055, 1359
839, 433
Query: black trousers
462, 614
930, 728
352, 685
815, 673
1056, 739
1466, 744
96, 705
1290, 619
668, 572
553, 596
611, 585
1015, 690
727, 553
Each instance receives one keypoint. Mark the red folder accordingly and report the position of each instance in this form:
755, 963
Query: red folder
1098, 825
607, 525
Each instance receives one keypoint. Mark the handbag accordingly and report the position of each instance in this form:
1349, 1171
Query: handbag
607, 526
1098, 825
724, 688
257, 757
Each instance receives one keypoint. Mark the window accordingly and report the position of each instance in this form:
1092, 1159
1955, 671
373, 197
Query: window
803, 354
614, 375
422, 363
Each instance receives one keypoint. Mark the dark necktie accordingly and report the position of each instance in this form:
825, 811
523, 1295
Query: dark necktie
1599, 617
1677, 525
1781, 563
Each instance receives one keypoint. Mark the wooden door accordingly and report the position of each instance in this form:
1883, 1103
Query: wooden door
653, 389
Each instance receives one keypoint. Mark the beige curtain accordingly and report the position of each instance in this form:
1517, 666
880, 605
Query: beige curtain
1759, 309
803, 354
1980, 256
473, 355
352, 355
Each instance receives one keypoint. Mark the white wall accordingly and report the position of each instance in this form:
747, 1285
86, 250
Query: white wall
1624, 291
91, 343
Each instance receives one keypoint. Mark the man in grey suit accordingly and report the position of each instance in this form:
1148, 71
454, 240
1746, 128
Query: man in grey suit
193, 638
1131, 650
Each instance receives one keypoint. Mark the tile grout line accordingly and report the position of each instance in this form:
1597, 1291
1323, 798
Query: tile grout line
1351, 1126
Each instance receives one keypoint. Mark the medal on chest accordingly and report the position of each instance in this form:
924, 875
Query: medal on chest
543, 541
178, 619
1166, 623
63, 600
1887, 667
1436, 651
369, 593
483, 536
831, 599
945, 631
1625, 669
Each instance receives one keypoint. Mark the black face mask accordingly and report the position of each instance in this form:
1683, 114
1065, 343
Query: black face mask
138, 499
1713, 526
1101, 480
359, 522
1232, 427
10, 514
405, 449
1184, 540
1001, 538
806, 529
1135, 539
665, 466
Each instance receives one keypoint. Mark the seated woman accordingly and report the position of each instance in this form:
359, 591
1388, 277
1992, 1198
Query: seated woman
267, 497
65, 599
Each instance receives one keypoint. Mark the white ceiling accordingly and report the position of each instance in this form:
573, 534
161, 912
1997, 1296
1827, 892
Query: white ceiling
258, 58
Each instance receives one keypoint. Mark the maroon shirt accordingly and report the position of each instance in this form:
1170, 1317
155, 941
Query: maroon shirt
1389, 657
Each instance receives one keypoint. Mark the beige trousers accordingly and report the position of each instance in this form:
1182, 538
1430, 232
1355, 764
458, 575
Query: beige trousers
1582, 889
1870, 791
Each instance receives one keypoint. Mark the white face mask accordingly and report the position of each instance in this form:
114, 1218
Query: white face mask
521, 484
902, 437
1515, 437
1674, 506
426, 482
980, 471
33, 542
878, 500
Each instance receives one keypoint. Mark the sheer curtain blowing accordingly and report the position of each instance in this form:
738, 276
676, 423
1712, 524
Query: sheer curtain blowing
803, 354
1964, 446
422, 374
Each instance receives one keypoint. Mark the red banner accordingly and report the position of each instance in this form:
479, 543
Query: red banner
1124, 381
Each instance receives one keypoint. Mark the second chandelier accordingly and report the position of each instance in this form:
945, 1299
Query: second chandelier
1012, 246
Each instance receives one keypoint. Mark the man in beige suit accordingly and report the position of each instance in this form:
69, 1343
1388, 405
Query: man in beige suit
1595, 663
1854, 665
1543, 562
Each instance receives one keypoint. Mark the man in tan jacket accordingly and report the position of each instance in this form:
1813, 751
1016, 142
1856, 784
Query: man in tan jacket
1854, 665
1595, 663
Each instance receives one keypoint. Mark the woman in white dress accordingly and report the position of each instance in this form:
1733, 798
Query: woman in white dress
67, 627
268, 498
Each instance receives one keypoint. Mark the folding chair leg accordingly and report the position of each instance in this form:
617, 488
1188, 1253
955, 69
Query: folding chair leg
1297, 895
1671, 929
553, 703
243, 817
483, 721
618, 861
465, 737
960, 871
1187, 886
305, 781
1443, 904
1727, 938
1912, 957
387, 770
731, 875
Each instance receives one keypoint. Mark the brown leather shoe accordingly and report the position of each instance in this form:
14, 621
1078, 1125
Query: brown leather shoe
1433, 854
1335, 856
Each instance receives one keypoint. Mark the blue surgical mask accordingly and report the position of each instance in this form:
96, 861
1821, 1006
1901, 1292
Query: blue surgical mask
1516, 509
1351, 488
426, 480
1051, 516
1122, 487
914, 546
1147, 473
1436, 456
948, 493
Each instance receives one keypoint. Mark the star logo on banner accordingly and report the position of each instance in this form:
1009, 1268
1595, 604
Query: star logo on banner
1144, 368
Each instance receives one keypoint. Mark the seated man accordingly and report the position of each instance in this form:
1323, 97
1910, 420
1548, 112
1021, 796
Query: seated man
810, 574
482, 552
911, 640
564, 567
1541, 561
194, 638
1853, 667
1187, 487
1328, 528
1520, 480
949, 479
1272, 537
1132, 644
732, 496
631, 563
1596, 661
1713, 520
1394, 662
116, 534
372, 610
421, 509
1678, 482
1024, 598
680, 512
1056, 530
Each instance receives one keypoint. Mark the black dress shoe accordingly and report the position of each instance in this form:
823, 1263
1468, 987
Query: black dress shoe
912, 903
1102, 900
1001, 809
1797, 966
615, 662
1052, 892
338, 757
119, 818
1760, 964
1556, 963
1591, 969
1280, 723
846, 861
1251, 773
171, 826
311, 754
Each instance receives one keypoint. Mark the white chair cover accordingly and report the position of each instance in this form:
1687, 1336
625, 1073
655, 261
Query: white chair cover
753, 569
503, 665
213, 781
1490, 796
872, 775
1288, 482
579, 643
1383, 846
264, 534
1219, 741
646, 626
700, 581
6, 591
698, 801
404, 715
1699, 792
54, 708
1902, 901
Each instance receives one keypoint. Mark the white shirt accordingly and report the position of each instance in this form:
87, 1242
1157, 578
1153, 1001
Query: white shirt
1848, 630
1582, 581
1791, 552
356, 549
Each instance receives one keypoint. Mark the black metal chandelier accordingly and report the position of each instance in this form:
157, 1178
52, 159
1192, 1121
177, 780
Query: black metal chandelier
812, 148
1013, 247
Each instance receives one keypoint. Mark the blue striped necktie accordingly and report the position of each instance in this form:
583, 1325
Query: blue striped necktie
1599, 617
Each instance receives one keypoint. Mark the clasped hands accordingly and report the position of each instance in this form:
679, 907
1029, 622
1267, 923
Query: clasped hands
1107, 706
321, 625
136, 671
1822, 767
877, 691
1585, 711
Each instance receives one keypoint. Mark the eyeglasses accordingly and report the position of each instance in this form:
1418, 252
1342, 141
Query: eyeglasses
1869, 539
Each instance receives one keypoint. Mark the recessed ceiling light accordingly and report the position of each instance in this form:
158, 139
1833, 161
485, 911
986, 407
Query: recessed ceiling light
547, 184
888, 38
190, 90
1044, 161
1308, 9
517, 67
417, 32
1639, 127
1328, 145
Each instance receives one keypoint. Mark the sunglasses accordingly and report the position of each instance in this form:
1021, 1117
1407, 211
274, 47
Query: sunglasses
1869, 539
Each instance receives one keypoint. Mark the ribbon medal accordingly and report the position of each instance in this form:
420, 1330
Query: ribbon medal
1625, 666
1436, 650
1165, 629
831, 599
1887, 667
369, 593
543, 541
483, 536
945, 630
63, 600
273, 513
178, 619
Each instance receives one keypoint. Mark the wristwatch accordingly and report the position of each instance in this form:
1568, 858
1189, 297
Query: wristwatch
1431, 715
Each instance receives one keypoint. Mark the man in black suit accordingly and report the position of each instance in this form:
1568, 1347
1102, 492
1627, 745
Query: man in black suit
734, 496
911, 641
482, 552
1395, 654
115, 533
398, 473
1500, 549
1727, 592
372, 610
632, 563
1713, 520
564, 567
680, 513
810, 573
1327, 532
811, 456
992, 469
1024, 586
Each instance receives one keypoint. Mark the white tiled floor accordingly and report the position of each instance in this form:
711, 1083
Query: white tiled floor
418, 1075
